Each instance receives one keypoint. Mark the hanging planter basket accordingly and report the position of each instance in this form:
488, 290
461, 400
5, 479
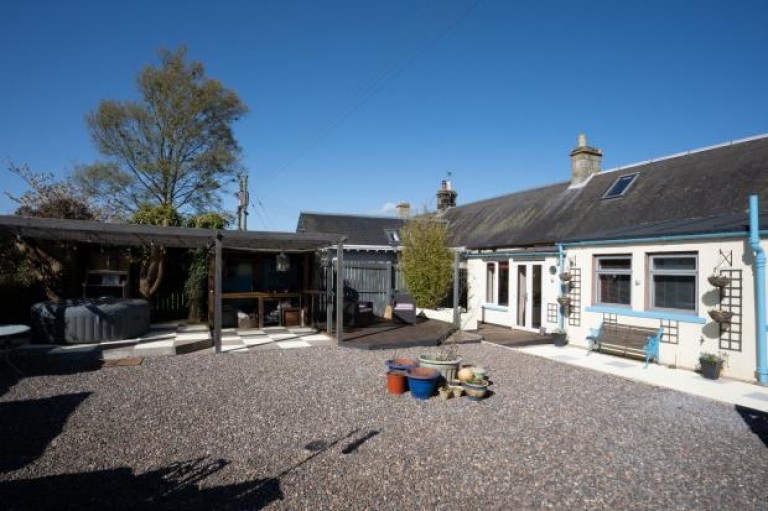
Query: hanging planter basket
719, 280
720, 316
566, 276
565, 301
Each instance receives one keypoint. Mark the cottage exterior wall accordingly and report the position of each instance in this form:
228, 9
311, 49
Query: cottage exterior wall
696, 332
491, 312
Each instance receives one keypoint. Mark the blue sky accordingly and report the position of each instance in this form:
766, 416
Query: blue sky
356, 105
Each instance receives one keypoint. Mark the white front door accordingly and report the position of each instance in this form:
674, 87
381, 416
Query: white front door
528, 295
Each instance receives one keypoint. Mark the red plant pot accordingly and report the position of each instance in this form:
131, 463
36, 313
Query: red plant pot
397, 383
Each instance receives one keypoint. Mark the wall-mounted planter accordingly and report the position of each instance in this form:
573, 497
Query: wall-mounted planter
566, 276
563, 300
719, 280
720, 316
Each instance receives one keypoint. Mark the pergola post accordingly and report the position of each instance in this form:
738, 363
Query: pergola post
217, 271
328, 292
340, 292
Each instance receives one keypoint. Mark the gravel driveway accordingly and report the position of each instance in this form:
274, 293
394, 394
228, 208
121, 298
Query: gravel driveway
315, 429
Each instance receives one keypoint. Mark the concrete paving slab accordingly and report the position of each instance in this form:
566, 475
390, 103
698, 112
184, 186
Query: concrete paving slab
724, 390
293, 344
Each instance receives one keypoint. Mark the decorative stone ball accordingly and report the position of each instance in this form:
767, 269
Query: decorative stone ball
466, 374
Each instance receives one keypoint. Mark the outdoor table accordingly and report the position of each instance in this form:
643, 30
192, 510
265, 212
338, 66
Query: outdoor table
7, 332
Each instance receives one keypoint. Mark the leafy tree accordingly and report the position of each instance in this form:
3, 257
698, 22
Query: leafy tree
174, 147
49, 198
50, 264
152, 258
426, 260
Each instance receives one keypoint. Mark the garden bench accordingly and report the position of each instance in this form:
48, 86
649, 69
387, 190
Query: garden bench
626, 340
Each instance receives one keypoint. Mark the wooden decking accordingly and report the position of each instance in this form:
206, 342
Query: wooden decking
428, 332
507, 336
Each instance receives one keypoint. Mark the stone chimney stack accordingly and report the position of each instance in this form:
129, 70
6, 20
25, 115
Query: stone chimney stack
403, 210
585, 161
446, 197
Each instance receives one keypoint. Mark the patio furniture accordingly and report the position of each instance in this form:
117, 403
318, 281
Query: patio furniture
90, 320
626, 340
358, 313
404, 309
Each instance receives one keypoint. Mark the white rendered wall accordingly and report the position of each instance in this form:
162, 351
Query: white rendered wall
694, 338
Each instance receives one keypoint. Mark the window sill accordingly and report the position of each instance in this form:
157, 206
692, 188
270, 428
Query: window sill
495, 307
670, 316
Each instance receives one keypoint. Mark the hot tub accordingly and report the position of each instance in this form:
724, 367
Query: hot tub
90, 320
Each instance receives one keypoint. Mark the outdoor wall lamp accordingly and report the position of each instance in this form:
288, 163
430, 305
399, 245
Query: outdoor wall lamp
282, 262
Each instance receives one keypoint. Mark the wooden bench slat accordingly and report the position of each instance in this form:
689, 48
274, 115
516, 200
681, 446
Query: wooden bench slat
627, 340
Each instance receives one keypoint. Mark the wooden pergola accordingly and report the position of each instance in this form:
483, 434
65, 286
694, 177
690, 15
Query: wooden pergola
81, 231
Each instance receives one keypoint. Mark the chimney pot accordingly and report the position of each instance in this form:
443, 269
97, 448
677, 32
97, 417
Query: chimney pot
403, 210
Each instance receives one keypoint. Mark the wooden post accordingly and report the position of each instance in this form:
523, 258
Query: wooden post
340, 292
329, 293
217, 274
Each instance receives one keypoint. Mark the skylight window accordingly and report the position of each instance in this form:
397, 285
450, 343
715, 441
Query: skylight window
393, 235
620, 186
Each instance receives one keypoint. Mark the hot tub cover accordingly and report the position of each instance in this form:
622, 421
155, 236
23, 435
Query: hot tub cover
90, 320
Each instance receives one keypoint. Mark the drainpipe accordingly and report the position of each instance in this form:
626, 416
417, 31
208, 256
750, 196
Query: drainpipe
561, 309
754, 241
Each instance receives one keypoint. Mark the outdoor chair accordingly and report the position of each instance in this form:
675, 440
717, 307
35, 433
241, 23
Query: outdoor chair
404, 309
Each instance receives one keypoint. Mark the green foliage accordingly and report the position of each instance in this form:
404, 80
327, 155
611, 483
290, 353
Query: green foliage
16, 269
716, 358
426, 260
175, 147
209, 220
164, 214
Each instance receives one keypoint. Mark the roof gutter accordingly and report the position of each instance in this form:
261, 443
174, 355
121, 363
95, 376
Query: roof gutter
754, 241
651, 239
514, 254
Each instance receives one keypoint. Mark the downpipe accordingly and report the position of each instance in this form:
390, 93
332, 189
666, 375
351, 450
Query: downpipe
754, 240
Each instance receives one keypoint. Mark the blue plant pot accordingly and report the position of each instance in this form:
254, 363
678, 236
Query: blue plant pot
401, 364
422, 381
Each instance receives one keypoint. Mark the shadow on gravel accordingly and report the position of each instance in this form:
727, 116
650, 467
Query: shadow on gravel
28, 427
756, 420
172, 487
16, 366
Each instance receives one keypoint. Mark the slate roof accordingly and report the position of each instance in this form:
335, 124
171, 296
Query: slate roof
359, 229
734, 223
698, 185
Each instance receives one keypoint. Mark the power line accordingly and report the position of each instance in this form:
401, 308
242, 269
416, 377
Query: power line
374, 87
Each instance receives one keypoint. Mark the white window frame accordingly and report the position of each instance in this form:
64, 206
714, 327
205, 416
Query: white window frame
687, 273
599, 272
490, 282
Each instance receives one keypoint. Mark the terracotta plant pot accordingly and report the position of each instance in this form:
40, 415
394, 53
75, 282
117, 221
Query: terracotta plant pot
397, 383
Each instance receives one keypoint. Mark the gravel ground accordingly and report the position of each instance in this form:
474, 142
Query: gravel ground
315, 429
